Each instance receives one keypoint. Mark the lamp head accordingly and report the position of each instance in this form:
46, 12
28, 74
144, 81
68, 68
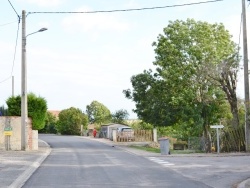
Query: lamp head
42, 29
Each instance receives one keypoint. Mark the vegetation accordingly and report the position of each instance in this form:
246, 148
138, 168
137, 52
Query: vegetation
70, 121
194, 84
50, 124
37, 109
3, 111
120, 116
140, 125
98, 113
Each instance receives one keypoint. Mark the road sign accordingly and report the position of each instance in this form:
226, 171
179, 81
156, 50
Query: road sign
8, 129
216, 126
7, 133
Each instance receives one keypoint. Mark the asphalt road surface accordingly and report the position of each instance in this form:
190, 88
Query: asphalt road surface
79, 162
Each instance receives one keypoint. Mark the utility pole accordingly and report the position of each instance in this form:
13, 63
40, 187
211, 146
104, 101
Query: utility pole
246, 78
24, 100
24, 110
12, 86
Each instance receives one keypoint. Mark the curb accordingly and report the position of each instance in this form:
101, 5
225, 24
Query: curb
20, 181
244, 184
138, 152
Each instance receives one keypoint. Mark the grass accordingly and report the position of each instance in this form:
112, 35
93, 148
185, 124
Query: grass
146, 148
157, 150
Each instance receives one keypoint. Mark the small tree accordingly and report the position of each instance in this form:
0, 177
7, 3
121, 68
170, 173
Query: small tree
70, 121
120, 116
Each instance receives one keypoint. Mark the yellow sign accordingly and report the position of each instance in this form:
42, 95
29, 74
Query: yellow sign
7, 133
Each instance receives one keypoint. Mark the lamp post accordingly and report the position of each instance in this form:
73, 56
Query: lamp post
24, 105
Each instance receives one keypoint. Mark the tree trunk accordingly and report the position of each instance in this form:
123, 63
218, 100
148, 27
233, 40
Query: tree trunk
207, 137
228, 84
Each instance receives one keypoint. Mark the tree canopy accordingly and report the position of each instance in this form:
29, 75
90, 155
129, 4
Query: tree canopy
98, 113
120, 116
70, 121
183, 89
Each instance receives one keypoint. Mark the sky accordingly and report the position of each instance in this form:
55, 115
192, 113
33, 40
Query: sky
87, 57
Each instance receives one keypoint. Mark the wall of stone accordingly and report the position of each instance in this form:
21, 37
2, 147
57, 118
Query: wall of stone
15, 139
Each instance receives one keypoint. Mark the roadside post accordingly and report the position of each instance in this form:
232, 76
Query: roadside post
7, 133
217, 127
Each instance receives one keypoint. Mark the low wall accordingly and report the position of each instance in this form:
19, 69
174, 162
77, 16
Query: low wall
14, 139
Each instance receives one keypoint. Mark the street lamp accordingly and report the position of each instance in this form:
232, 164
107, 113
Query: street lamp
24, 105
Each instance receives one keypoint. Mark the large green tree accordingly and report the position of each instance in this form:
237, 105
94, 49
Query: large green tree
183, 88
70, 121
37, 109
98, 113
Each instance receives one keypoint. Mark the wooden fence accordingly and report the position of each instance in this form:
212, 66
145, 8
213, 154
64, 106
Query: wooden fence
136, 136
233, 139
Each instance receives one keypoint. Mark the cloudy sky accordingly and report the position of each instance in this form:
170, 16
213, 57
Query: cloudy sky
86, 57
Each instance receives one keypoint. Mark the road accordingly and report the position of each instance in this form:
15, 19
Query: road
78, 162
213, 171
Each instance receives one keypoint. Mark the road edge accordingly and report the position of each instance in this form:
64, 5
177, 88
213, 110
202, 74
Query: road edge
20, 181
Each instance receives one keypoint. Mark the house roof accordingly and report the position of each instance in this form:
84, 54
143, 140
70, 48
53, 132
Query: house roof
54, 112
91, 126
117, 125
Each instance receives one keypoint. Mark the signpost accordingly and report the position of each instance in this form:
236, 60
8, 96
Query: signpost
8, 133
217, 127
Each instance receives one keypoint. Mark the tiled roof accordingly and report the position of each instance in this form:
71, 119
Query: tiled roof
55, 112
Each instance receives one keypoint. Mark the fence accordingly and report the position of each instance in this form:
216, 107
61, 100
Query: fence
231, 140
136, 135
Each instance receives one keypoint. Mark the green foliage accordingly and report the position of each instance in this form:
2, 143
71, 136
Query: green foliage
70, 121
37, 108
140, 125
120, 116
14, 105
180, 92
98, 113
3, 111
50, 124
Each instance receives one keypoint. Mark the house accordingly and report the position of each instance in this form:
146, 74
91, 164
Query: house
55, 113
107, 130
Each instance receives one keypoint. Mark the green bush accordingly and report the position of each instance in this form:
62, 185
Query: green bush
70, 121
37, 109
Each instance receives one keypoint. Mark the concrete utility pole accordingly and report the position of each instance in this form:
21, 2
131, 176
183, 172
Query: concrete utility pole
24, 110
246, 78
24, 100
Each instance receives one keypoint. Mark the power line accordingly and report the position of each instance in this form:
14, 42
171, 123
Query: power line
14, 54
5, 79
126, 10
14, 9
240, 33
15, 48
1, 25
15, 43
